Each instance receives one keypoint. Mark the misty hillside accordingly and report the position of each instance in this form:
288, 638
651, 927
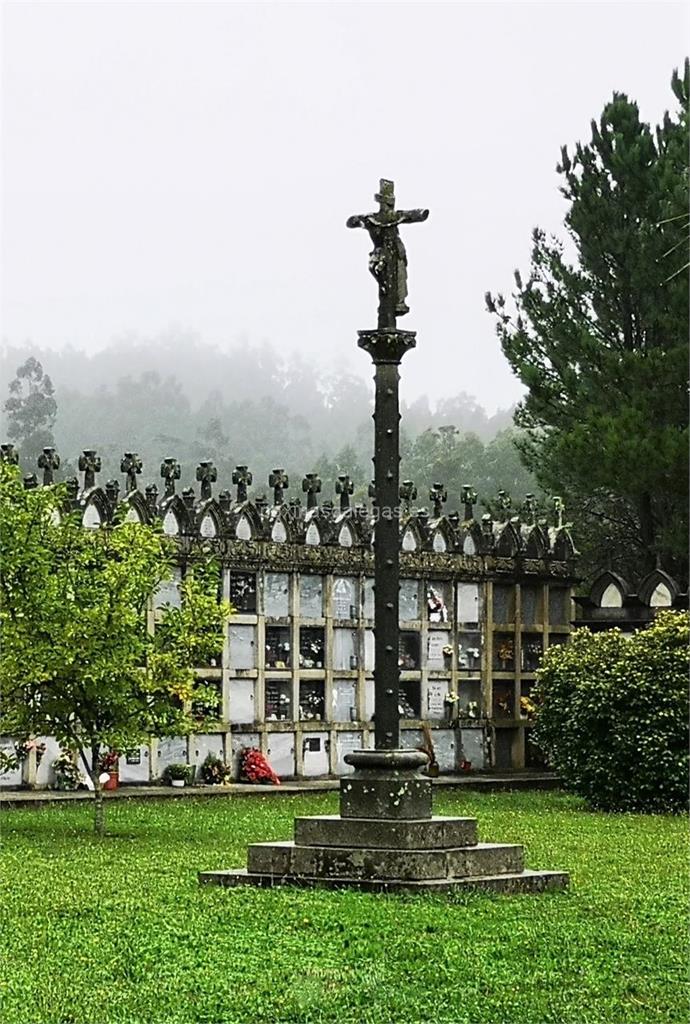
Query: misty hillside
178, 396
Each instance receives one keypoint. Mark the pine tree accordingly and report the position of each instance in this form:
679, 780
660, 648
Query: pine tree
600, 342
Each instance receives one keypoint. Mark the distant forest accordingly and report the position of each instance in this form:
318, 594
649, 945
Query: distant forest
179, 396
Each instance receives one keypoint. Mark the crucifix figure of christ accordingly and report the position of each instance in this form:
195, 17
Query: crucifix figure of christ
388, 259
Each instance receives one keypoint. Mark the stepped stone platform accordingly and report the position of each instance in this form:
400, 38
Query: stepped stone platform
386, 839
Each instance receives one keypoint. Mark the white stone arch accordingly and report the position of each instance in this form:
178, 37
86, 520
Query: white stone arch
312, 536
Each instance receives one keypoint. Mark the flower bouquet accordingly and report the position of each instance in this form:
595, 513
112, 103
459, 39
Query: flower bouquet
255, 768
24, 748
527, 708
215, 771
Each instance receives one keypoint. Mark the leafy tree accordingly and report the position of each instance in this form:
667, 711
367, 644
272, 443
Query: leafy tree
612, 715
455, 459
600, 341
31, 410
79, 660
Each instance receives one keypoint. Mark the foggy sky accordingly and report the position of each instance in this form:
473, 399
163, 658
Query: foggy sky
194, 165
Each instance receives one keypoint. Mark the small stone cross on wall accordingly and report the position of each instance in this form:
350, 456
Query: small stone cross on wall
469, 499
131, 466
206, 474
438, 496
242, 478
311, 485
89, 464
48, 461
278, 480
170, 472
344, 487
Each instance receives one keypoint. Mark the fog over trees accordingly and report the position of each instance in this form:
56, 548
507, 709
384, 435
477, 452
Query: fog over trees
175, 395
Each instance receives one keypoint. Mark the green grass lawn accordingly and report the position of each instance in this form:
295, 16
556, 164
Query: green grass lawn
119, 932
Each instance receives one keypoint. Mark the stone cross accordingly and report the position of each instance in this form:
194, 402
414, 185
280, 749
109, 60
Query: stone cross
9, 454
225, 500
188, 497
388, 259
504, 502
311, 485
344, 487
559, 509
438, 496
206, 474
89, 464
530, 509
30, 482
469, 500
242, 478
278, 480
131, 465
48, 461
408, 493
170, 472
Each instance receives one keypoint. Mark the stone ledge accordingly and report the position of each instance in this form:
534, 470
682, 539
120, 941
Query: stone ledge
434, 833
515, 883
336, 862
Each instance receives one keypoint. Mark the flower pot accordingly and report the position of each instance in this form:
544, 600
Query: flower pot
113, 781
177, 783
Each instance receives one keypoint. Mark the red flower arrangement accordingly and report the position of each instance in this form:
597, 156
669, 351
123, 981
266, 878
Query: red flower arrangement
255, 768
108, 762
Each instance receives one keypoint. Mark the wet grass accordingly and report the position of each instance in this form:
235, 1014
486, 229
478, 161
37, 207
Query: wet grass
119, 932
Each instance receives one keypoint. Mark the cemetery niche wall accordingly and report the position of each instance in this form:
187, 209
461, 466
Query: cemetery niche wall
480, 601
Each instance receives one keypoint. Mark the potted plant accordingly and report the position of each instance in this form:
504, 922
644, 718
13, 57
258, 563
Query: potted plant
108, 765
66, 772
178, 774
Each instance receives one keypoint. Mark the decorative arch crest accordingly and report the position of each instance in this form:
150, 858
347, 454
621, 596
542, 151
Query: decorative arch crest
412, 539
609, 590
136, 508
209, 520
471, 539
96, 509
563, 547
509, 542
175, 516
442, 537
658, 590
536, 542
246, 522
283, 526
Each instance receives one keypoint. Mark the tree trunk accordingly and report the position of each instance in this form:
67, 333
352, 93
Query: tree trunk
98, 807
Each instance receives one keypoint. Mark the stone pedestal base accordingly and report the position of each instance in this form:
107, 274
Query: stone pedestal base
386, 839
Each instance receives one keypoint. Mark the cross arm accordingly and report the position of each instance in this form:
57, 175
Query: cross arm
358, 220
412, 216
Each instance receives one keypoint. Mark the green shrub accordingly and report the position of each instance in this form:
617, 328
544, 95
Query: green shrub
612, 716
